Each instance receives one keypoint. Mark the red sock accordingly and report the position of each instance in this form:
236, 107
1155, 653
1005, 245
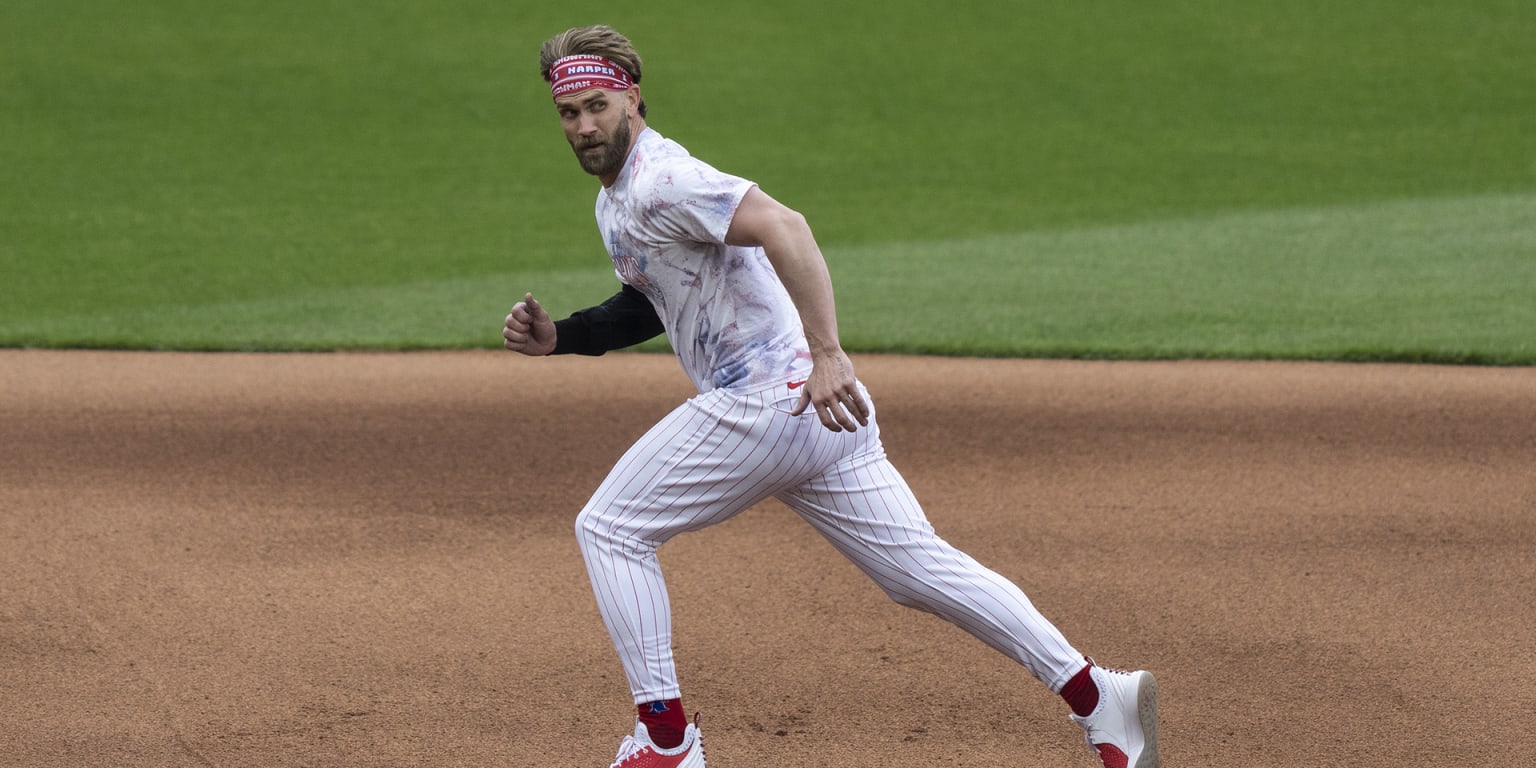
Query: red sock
665, 721
1080, 693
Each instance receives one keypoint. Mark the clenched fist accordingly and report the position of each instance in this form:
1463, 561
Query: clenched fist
529, 329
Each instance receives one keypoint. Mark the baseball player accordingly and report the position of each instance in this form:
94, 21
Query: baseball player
737, 282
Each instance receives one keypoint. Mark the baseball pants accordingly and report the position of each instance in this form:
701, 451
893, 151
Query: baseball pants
721, 452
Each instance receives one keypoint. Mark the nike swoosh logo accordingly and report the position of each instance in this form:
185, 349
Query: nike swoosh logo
796, 384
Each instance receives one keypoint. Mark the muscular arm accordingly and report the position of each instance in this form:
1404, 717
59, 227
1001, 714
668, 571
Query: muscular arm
786, 238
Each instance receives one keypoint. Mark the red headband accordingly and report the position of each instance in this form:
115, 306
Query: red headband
573, 74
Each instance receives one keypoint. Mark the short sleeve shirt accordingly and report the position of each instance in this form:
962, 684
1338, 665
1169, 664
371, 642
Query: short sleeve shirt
726, 313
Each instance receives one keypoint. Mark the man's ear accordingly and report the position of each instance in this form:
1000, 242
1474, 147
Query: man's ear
634, 100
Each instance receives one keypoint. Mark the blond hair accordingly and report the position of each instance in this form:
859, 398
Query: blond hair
596, 40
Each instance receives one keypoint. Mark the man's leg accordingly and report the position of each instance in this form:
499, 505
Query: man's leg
864, 507
712, 457
866, 510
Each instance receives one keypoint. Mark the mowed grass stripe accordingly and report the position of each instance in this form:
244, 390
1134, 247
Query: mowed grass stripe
1414, 280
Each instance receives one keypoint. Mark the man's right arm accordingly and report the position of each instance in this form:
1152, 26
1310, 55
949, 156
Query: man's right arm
625, 319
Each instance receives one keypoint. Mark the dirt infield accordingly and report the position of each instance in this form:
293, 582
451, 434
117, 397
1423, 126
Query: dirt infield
367, 560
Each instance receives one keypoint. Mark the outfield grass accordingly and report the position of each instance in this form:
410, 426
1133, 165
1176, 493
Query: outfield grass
1173, 179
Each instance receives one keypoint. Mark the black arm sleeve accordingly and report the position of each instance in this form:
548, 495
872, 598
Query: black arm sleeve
625, 319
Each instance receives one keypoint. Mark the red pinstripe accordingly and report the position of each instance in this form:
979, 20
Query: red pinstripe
721, 452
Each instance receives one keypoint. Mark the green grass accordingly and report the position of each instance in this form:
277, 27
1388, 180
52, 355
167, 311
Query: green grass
1446, 281
1173, 179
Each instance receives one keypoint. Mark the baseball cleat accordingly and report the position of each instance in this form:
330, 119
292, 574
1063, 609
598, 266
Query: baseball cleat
1123, 728
637, 751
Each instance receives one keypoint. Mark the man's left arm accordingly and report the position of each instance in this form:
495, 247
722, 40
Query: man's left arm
786, 238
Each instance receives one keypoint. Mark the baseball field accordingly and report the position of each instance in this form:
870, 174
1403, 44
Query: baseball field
1212, 327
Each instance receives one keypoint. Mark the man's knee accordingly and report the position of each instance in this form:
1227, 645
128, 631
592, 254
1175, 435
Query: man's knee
592, 528
598, 530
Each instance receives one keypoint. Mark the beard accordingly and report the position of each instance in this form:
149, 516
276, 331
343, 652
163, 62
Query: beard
610, 160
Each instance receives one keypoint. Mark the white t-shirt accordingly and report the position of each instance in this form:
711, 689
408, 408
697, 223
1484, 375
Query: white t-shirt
728, 317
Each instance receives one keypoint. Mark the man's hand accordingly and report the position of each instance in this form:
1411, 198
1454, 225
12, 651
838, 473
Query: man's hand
834, 392
529, 329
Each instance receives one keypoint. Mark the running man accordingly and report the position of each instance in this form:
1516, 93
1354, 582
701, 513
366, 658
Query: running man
736, 281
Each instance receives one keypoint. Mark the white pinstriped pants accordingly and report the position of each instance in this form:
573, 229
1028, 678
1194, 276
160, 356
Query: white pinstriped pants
718, 454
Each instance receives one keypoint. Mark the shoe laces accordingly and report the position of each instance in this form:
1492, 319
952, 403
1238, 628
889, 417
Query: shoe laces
628, 748
1114, 670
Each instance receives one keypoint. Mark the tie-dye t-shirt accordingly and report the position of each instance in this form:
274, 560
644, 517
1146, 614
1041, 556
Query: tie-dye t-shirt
727, 316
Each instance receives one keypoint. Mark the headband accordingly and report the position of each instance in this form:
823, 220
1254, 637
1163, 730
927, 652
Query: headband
573, 74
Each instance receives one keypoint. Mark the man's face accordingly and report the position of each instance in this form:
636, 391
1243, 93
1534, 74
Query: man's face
596, 124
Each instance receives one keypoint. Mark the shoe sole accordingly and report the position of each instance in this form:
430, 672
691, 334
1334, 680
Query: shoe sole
1146, 711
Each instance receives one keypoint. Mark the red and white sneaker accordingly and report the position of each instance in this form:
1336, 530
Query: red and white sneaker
1123, 728
637, 751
